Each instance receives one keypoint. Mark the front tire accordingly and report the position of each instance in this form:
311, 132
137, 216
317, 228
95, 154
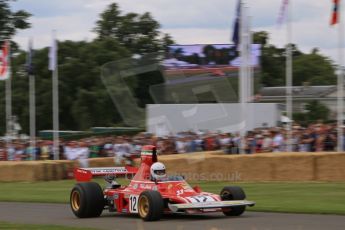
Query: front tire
233, 193
87, 200
151, 205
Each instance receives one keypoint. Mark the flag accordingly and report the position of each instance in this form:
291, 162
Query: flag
5, 61
53, 54
236, 30
29, 65
335, 13
282, 12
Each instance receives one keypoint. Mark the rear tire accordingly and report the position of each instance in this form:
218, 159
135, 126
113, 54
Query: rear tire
233, 193
150, 205
87, 200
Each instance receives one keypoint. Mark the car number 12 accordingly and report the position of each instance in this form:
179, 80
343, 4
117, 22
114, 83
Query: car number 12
133, 203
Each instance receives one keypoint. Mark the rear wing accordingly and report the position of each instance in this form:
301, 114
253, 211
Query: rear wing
86, 174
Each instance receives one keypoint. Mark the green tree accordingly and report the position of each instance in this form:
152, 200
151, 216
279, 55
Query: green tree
272, 66
109, 21
261, 38
84, 100
79, 82
139, 33
313, 68
316, 110
11, 21
167, 41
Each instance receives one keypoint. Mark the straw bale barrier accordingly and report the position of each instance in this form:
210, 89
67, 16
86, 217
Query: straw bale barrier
204, 166
330, 167
258, 167
34, 170
102, 162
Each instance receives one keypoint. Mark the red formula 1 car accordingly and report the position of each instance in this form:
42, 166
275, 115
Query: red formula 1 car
147, 196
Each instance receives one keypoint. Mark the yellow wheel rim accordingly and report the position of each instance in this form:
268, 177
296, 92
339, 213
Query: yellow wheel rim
144, 206
75, 200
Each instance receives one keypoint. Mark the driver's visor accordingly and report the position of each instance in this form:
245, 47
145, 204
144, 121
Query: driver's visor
160, 172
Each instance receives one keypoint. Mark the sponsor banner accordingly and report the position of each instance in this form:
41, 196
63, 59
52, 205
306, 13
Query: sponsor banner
107, 170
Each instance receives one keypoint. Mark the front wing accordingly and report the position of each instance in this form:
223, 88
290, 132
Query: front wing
210, 205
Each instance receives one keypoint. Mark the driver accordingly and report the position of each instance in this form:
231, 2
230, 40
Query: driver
157, 171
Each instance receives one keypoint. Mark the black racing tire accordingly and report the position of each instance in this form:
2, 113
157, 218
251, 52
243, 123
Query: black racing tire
87, 200
150, 205
233, 193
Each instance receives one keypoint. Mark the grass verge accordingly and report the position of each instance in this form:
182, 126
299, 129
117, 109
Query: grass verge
11, 226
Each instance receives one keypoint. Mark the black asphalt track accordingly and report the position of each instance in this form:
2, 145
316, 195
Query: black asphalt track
60, 214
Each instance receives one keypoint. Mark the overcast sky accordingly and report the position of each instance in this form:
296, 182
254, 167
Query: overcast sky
188, 21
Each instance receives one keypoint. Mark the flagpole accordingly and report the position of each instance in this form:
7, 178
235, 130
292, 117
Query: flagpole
242, 82
55, 82
56, 114
8, 89
32, 104
246, 55
251, 76
340, 94
9, 106
244, 71
289, 81
242, 55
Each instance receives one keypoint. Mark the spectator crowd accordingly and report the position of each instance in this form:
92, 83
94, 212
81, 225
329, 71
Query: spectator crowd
316, 137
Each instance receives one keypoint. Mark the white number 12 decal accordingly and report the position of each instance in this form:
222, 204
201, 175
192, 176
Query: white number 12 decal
133, 203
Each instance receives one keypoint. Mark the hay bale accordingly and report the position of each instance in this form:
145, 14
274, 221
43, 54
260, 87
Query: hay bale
62, 168
248, 168
293, 167
17, 171
52, 170
40, 171
260, 167
330, 167
5, 171
47, 170
213, 166
102, 162
218, 168
59, 171
67, 168
178, 166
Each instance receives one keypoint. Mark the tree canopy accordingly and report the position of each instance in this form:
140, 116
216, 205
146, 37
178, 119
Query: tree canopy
11, 21
314, 111
139, 33
83, 98
312, 67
